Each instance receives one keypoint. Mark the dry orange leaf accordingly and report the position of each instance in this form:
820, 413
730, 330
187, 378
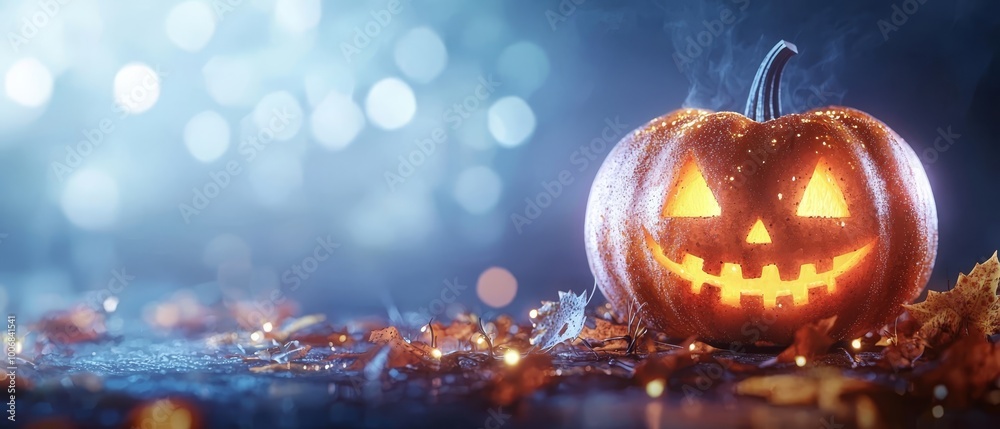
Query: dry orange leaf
400, 352
826, 388
971, 308
969, 371
810, 340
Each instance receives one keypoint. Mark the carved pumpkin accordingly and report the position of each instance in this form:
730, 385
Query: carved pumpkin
743, 228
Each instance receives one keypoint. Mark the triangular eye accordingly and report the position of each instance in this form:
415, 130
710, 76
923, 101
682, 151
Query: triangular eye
690, 195
823, 198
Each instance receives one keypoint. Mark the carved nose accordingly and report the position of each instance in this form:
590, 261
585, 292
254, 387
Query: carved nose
758, 234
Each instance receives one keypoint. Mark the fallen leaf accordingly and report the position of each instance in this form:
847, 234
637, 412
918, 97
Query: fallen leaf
77, 325
292, 326
810, 340
826, 388
971, 308
559, 321
968, 371
605, 335
400, 353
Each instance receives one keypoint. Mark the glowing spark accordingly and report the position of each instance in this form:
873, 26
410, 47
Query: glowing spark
655, 388
111, 304
511, 357
937, 411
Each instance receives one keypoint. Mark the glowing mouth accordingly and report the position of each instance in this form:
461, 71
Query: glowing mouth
769, 285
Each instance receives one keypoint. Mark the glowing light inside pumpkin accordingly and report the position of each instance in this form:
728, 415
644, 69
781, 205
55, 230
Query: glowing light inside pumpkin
758, 234
690, 196
823, 198
769, 285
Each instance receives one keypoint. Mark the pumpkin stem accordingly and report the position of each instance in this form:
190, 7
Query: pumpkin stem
764, 102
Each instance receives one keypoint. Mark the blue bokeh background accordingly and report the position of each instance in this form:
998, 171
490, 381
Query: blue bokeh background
181, 88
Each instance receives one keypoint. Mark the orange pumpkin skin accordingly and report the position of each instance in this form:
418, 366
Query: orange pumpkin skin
747, 165
885, 222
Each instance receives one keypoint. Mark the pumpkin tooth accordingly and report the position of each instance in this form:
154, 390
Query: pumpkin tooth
788, 272
785, 301
824, 265
713, 267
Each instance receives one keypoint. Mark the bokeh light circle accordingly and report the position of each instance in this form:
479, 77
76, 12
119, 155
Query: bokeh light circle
28, 83
136, 88
496, 287
390, 104
298, 16
90, 200
511, 121
336, 121
206, 136
279, 112
190, 25
477, 189
523, 66
421, 54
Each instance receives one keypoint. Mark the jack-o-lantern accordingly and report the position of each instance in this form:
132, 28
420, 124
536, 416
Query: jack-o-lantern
742, 228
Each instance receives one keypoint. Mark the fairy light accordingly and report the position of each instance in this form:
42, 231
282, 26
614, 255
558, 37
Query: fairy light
110, 304
937, 411
256, 336
800, 360
423, 329
856, 343
533, 313
268, 326
691, 347
655, 388
343, 338
511, 357
940, 392
436, 353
